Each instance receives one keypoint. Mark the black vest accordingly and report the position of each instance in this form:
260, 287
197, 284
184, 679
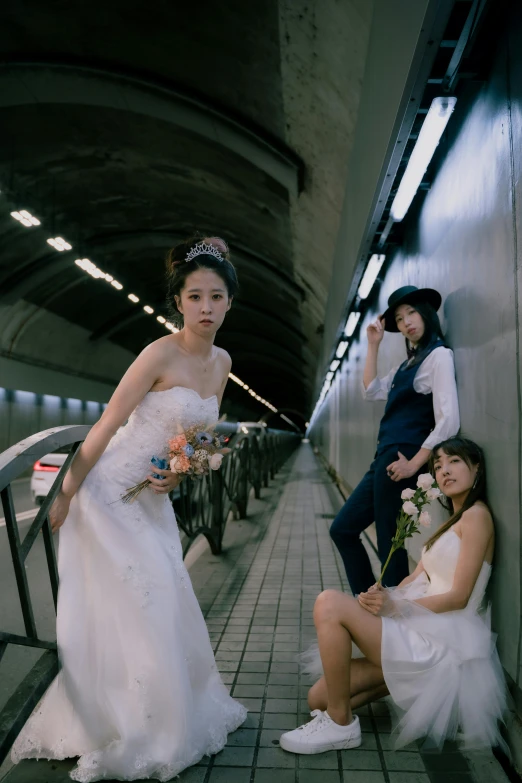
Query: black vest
408, 416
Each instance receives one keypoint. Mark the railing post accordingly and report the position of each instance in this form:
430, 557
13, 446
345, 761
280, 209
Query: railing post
217, 528
241, 498
255, 467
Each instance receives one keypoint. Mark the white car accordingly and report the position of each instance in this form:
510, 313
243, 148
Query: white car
45, 471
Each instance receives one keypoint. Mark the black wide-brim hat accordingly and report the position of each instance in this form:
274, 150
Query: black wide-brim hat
409, 294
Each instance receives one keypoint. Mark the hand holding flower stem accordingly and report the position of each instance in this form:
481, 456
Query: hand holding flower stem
411, 516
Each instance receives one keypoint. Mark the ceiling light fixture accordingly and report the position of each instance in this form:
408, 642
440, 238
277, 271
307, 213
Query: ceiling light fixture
370, 275
351, 323
341, 349
59, 243
25, 218
432, 129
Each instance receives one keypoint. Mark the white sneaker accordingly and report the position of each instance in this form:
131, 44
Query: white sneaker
322, 734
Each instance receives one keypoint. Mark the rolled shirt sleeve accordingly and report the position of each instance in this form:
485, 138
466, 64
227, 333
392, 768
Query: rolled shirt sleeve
441, 379
378, 389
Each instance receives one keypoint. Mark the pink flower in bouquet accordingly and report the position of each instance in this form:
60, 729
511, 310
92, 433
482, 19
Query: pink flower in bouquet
177, 443
180, 464
215, 461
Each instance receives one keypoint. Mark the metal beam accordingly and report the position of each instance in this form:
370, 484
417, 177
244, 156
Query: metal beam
23, 83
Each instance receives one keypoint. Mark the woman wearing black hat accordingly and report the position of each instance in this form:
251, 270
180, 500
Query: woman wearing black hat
421, 411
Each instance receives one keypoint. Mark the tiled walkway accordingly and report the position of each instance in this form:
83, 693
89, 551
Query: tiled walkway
258, 599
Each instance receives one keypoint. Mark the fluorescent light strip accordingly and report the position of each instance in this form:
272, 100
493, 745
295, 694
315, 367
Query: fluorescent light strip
25, 218
351, 323
368, 280
60, 244
251, 392
341, 349
370, 275
432, 129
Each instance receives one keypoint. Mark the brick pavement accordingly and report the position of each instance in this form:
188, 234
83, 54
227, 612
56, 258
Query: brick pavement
257, 599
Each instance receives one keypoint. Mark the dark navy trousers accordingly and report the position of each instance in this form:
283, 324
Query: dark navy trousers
375, 499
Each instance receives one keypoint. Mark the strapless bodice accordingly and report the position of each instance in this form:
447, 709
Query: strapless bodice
440, 563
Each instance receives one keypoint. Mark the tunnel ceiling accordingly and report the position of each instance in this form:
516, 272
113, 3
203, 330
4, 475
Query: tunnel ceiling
123, 127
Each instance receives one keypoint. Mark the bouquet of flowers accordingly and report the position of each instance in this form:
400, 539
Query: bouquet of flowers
194, 452
411, 516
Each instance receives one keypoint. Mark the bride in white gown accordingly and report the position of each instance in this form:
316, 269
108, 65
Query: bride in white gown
139, 695
427, 643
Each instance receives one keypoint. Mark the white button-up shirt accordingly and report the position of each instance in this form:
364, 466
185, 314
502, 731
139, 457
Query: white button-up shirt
436, 374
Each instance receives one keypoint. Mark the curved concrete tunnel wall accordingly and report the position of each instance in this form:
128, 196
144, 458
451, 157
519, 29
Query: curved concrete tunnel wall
462, 240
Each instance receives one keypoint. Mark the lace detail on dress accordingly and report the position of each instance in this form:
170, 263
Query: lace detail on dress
140, 581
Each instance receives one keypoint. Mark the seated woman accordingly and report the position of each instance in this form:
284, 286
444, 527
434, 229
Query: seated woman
427, 643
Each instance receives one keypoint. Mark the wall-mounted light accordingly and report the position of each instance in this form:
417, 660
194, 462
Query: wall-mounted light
148, 309
341, 349
432, 129
134, 298
351, 323
370, 275
334, 365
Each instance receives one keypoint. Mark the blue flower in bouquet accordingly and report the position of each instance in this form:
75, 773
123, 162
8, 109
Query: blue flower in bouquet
159, 463
203, 438
189, 450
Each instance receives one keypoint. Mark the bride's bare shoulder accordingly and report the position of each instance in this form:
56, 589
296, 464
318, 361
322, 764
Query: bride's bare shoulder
162, 352
224, 357
477, 518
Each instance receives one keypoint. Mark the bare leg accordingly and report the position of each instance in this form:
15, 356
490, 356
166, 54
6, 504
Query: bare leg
367, 684
338, 618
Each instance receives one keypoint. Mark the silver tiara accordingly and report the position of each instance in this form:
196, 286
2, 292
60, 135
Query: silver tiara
204, 248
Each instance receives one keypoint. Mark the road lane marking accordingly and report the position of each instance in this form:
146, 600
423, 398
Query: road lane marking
21, 517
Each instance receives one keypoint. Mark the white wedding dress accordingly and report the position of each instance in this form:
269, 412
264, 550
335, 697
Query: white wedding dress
442, 670
138, 695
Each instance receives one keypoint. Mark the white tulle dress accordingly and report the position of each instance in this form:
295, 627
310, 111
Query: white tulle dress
139, 695
442, 670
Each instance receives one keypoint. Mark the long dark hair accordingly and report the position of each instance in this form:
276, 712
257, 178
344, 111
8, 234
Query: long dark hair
178, 269
473, 456
432, 332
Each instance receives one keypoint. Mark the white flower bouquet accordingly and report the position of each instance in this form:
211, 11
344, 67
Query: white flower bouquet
411, 516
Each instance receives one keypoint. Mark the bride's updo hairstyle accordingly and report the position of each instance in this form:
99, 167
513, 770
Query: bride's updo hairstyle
473, 456
179, 268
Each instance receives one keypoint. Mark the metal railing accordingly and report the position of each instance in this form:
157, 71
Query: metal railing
202, 507
13, 463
